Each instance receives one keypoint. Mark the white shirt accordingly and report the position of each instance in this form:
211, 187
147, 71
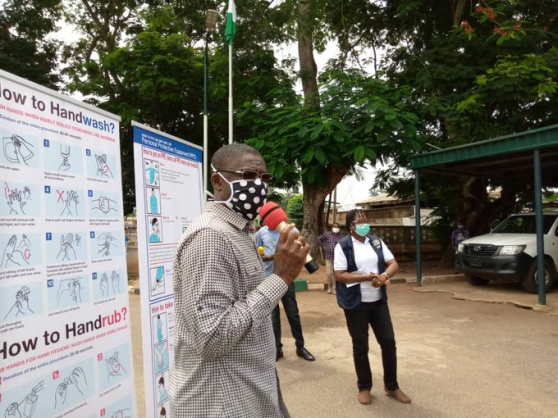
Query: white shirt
366, 261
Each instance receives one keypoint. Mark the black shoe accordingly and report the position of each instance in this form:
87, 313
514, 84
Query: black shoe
279, 355
305, 354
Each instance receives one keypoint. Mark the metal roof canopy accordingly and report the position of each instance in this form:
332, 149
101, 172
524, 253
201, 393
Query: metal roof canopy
507, 158
526, 157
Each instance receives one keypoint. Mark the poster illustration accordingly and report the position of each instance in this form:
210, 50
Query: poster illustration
168, 173
65, 340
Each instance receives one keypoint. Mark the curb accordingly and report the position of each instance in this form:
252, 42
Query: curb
323, 286
535, 307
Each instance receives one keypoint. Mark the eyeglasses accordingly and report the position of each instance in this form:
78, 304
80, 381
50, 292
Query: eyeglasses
250, 174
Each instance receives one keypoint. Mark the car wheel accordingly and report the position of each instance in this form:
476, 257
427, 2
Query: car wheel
531, 282
476, 280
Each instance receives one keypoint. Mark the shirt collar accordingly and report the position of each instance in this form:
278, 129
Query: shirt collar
366, 240
228, 215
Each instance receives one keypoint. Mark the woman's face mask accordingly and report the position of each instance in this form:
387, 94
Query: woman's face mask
335, 230
362, 229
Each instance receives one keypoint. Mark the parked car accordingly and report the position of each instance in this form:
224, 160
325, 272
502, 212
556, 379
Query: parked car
509, 252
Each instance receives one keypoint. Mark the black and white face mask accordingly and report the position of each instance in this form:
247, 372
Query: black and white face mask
247, 197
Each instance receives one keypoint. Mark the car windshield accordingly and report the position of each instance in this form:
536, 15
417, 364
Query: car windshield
524, 224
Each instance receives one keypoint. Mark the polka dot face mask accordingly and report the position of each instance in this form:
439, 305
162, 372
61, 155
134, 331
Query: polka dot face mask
247, 196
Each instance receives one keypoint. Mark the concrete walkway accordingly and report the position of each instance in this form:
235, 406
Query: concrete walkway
463, 351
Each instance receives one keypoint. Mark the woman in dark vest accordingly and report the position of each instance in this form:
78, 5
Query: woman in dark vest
363, 267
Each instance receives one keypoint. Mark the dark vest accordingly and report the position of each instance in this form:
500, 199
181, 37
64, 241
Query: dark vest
349, 297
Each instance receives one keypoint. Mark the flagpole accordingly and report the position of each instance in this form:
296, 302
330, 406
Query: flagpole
230, 95
210, 22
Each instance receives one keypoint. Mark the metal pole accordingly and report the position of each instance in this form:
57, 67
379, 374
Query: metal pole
205, 121
539, 226
417, 228
230, 95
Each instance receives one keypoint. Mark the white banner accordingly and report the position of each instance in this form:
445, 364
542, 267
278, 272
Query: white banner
169, 195
65, 339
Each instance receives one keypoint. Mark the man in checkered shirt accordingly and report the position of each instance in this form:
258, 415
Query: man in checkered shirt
224, 353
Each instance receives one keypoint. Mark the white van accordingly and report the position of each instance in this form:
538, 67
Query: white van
509, 252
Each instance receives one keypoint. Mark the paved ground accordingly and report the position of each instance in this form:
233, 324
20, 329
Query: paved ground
457, 357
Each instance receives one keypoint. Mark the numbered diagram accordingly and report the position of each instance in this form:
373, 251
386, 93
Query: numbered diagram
18, 149
153, 200
161, 357
19, 200
65, 247
21, 301
113, 366
101, 165
108, 284
62, 158
155, 233
107, 244
29, 401
151, 168
61, 202
159, 328
74, 384
104, 204
124, 408
67, 292
19, 250
157, 277
161, 384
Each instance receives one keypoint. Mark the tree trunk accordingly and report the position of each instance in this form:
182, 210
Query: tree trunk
314, 197
308, 68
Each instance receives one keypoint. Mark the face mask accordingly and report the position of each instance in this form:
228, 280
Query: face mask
362, 230
335, 230
247, 196
459, 226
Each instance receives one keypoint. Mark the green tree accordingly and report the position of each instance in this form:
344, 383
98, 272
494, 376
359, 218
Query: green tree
360, 119
295, 209
26, 47
477, 71
144, 64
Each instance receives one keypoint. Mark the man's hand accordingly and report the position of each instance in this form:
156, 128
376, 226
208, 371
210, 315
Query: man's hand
290, 254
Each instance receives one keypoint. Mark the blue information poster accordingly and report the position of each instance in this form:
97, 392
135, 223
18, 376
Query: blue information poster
169, 195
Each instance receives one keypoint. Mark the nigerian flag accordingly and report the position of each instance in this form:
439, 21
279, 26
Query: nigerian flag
230, 28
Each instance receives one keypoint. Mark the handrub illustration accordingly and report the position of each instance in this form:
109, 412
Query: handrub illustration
105, 243
65, 153
17, 150
77, 379
21, 306
17, 199
114, 284
69, 292
70, 202
104, 204
103, 169
16, 253
115, 368
25, 408
67, 247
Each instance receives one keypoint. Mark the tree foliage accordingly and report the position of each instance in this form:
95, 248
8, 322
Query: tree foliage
27, 48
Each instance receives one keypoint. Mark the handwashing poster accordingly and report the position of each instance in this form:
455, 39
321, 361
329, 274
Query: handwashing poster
65, 339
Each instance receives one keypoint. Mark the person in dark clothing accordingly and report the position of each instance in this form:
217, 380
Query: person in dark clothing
363, 267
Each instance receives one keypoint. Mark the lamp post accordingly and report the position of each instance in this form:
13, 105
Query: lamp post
210, 22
